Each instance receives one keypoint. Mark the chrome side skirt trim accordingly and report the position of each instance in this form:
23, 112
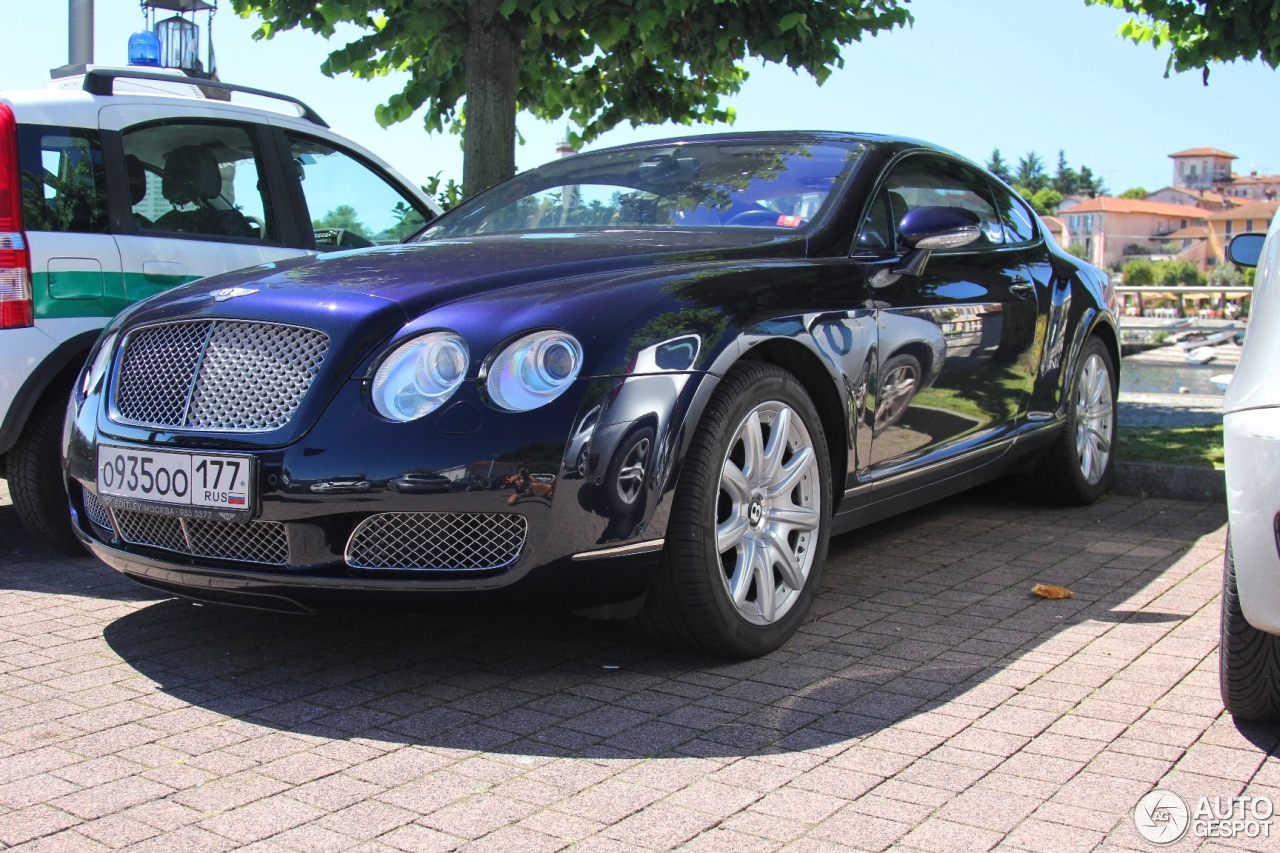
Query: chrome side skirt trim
645, 547
1002, 445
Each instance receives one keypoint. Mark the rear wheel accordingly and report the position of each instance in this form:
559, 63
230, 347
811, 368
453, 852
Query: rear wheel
1079, 467
749, 523
35, 475
1248, 659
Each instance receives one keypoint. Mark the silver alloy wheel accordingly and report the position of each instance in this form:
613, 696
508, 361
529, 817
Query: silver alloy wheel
1093, 406
631, 472
767, 512
896, 392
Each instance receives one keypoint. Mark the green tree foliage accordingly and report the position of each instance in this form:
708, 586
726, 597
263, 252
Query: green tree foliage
1135, 193
998, 167
1090, 184
446, 193
342, 216
598, 63
1031, 176
1045, 201
1202, 31
1078, 250
1066, 180
1139, 272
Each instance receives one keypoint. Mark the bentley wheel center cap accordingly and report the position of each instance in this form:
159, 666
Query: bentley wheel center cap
755, 513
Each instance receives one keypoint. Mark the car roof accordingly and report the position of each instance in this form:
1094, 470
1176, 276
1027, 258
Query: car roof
845, 136
74, 107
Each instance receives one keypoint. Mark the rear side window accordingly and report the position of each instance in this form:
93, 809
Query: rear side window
1018, 220
63, 179
198, 179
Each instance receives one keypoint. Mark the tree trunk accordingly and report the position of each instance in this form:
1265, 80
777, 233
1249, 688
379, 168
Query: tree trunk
493, 84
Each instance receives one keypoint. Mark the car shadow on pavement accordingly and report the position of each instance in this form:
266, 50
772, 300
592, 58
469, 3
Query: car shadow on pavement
28, 564
914, 612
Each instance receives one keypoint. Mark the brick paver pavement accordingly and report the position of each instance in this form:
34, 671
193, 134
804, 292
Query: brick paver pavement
930, 703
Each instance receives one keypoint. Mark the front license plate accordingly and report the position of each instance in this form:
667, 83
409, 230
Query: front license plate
174, 478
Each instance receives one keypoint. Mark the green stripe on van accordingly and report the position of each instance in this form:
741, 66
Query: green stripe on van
87, 293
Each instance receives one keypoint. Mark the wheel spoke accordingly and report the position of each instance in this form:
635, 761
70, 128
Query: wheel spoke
780, 549
765, 594
733, 481
753, 449
743, 570
797, 517
792, 472
778, 433
729, 533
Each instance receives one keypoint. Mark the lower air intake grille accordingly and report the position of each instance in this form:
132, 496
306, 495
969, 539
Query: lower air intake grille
263, 542
96, 510
437, 540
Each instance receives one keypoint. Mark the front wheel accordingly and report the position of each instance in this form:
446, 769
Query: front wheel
1248, 659
35, 475
1079, 467
749, 523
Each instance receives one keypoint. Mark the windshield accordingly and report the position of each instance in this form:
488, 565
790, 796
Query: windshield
709, 185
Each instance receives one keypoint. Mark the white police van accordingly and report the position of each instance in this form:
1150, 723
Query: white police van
120, 183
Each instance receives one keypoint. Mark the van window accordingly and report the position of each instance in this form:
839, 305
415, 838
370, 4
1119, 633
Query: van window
63, 179
200, 179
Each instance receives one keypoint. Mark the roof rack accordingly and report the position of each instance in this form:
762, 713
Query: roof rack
101, 81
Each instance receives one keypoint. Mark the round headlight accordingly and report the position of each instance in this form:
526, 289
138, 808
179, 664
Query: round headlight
534, 370
419, 376
98, 368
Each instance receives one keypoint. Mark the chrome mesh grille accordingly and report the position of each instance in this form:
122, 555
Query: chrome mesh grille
217, 375
264, 542
158, 531
437, 540
156, 371
96, 510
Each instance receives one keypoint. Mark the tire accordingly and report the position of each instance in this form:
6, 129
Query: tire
1080, 466
709, 598
624, 483
900, 379
35, 475
1248, 659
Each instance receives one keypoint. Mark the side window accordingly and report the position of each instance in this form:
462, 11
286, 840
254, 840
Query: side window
63, 180
351, 205
876, 234
1019, 222
199, 178
926, 180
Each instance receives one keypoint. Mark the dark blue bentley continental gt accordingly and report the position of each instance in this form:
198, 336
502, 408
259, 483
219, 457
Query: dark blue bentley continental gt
648, 382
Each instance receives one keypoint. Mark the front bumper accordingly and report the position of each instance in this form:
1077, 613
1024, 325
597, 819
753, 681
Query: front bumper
1252, 441
351, 466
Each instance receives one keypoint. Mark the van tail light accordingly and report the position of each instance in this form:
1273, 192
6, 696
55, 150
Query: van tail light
16, 310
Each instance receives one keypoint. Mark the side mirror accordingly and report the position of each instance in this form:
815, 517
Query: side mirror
939, 228
928, 228
1246, 249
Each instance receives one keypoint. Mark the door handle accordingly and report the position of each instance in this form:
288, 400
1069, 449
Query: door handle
1022, 288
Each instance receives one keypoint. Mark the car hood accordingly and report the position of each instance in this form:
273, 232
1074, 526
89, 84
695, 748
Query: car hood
420, 276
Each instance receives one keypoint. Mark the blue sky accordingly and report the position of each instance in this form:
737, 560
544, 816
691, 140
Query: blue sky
970, 75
